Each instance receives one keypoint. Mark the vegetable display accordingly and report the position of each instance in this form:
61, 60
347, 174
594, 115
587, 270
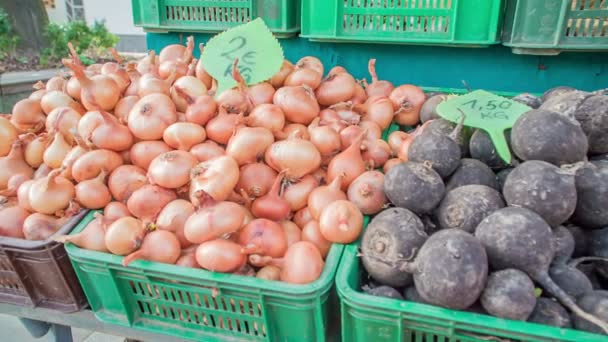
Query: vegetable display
467, 231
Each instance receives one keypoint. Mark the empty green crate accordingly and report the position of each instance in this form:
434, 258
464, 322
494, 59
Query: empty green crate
547, 27
281, 16
432, 22
206, 306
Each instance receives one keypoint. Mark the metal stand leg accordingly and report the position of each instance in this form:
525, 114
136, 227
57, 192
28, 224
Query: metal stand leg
60, 333
36, 328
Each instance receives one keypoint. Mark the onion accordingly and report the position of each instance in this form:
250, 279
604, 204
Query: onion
335, 88
214, 221
298, 103
185, 90
123, 108
151, 115
235, 100
367, 192
43, 170
297, 194
51, 194
303, 77
256, 179
407, 101
322, 196
28, 116
90, 164
34, 150
54, 99
37, 95
341, 222
360, 96
143, 152
14, 163
278, 79
325, 139
376, 152
220, 256
310, 62
379, 110
207, 150
171, 169
104, 131
40, 226
8, 135
146, 202
115, 210
297, 157
134, 76
377, 88
56, 151
148, 64
269, 272
293, 233
272, 206
293, 130
248, 144
93, 193
395, 140
295, 271
187, 260
184, 135
221, 127
203, 109
73, 88
177, 58
75, 153
56, 83
260, 93
92, 237
11, 221
200, 71
302, 217
124, 236
263, 237
64, 120
390, 163
158, 246
23, 195
151, 84
348, 163
269, 116
330, 117
312, 233
13, 184
173, 218
346, 113
213, 179
371, 129
97, 92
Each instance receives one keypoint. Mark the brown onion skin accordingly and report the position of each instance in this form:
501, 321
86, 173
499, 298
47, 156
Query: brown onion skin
143, 152
278, 79
146, 202
115, 210
207, 150
379, 110
312, 233
51, 194
297, 157
92, 237
371, 129
295, 271
269, 272
391, 163
171, 170
264, 237
158, 246
324, 195
8, 135
302, 217
341, 222
220, 256
293, 233
213, 179
11, 221
292, 130
187, 260
98, 92
151, 115
90, 164
348, 163
269, 116
248, 144
376, 153
93, 193
173, 218
310, 62
298, 103
367, 192
377, 87
407, 101
124, 235
185, 89
14, 163
303, 77
325, 139
40, 226
123, 107
55, 98
335, 88
23, 195
255, 179
360, 96
297, 194
220, 128
203, 109
63, 119
260, 93
125, 180
106, 132
272, 206
214, 221
28, 115
348, 135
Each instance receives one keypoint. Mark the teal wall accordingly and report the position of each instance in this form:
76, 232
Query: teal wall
493, 68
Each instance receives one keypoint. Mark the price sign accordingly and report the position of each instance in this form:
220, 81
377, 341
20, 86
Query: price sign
259, 53
484, 110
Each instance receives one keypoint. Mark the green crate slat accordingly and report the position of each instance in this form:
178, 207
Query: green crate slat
552, 26
281, 16
201, 305
437, 22
371, 318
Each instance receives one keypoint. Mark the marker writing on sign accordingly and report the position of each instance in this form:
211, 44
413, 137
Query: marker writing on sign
246, 56
492, 109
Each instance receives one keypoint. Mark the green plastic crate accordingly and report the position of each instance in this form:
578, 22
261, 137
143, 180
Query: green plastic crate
547, 27
281, 16
368, 318
206, 306
429, 22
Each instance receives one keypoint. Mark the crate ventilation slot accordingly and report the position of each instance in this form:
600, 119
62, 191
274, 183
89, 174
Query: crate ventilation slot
207, 14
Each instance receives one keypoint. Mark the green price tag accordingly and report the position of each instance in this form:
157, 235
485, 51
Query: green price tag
259, 53
484, 110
